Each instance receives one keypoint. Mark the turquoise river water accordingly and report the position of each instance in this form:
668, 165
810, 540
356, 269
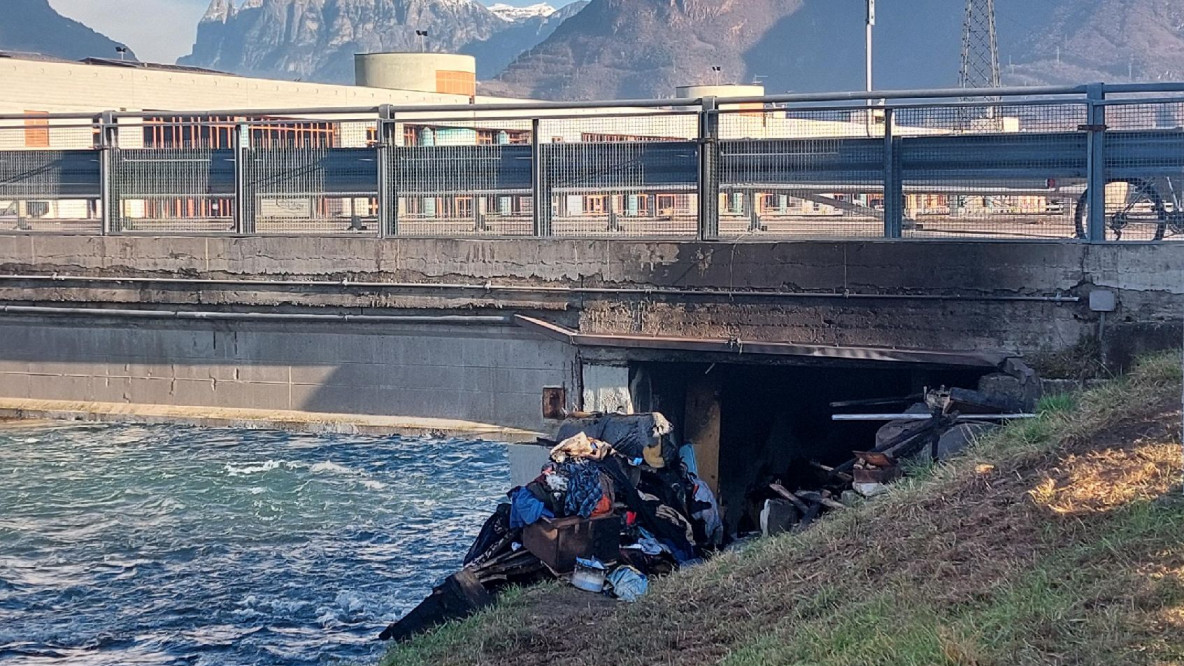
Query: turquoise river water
166, 545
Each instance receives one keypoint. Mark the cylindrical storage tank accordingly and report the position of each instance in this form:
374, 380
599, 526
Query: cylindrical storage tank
447, 73
729, 90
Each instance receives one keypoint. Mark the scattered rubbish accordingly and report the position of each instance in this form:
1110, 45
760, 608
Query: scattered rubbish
558, 543
626, 583
589, 575
618, 502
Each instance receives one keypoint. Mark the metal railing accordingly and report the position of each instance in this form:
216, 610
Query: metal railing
1096, 163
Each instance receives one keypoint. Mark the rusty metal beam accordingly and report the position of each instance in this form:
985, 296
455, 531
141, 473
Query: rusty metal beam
740, 347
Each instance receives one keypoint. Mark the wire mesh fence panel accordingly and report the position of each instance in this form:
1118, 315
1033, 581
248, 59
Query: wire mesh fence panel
174, 190
464, 177
310, 177
1144, 165
174, 174
804, 173
49, 178
621, 175
991, 172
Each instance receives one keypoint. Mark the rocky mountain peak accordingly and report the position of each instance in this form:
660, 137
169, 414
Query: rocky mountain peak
219, 11
34, 26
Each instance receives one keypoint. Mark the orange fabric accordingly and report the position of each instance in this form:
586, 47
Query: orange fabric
603, 507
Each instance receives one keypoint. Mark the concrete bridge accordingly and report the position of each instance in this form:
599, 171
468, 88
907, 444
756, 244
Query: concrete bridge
145, 286
733, 340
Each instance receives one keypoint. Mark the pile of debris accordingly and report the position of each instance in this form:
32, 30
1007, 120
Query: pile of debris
938, 424
618, 502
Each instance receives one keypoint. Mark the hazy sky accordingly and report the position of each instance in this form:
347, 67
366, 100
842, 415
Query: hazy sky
163, 30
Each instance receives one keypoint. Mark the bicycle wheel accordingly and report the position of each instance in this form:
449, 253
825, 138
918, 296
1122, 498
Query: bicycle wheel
1135, 214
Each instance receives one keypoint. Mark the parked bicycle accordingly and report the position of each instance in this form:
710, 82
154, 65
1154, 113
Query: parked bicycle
1137, 209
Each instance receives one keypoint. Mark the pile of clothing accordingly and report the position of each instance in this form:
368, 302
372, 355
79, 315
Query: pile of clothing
619, 471
628, 465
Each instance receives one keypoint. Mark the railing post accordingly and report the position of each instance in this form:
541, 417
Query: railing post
893, 185
1096, 142
541, 184
754, 216
244, 197
388, 198
107, 139
709, 170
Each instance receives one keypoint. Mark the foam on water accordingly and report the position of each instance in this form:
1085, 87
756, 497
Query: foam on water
166, 545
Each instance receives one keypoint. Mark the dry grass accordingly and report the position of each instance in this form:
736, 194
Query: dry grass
1054, 542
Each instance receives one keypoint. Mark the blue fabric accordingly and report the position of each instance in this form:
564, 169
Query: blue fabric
627, 583
526, 509
583, 489
687, 453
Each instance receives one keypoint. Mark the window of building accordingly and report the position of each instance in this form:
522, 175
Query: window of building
450, 82
593, 137
37, 129
594, 205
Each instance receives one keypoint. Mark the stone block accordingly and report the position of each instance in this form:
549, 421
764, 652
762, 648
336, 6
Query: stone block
262, 373
198, 392
152, 391
14, 385
255, 395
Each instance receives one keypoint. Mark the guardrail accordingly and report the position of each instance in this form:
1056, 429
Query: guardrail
1097, 163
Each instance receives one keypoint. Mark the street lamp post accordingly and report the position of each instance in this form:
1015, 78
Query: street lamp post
871, 23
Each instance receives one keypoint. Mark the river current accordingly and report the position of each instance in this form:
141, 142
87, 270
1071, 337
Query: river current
168, 545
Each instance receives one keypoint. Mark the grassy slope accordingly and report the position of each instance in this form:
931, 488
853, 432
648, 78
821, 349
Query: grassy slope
1058, 541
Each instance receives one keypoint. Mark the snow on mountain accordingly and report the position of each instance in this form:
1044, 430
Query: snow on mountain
513, 14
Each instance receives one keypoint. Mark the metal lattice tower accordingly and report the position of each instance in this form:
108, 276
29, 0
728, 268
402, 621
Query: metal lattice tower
980, 46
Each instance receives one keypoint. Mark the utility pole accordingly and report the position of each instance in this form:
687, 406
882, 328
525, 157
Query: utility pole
980, 54
871, 23
868, 83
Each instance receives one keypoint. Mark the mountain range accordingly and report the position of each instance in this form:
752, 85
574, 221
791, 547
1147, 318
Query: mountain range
316, 39
34, 26
643, 48
601, 49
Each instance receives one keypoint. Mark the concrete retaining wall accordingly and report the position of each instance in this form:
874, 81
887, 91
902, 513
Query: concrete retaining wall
486, 375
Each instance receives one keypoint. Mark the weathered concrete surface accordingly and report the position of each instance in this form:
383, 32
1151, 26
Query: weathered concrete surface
237, 417
917, 294
480, 374
1024, 298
